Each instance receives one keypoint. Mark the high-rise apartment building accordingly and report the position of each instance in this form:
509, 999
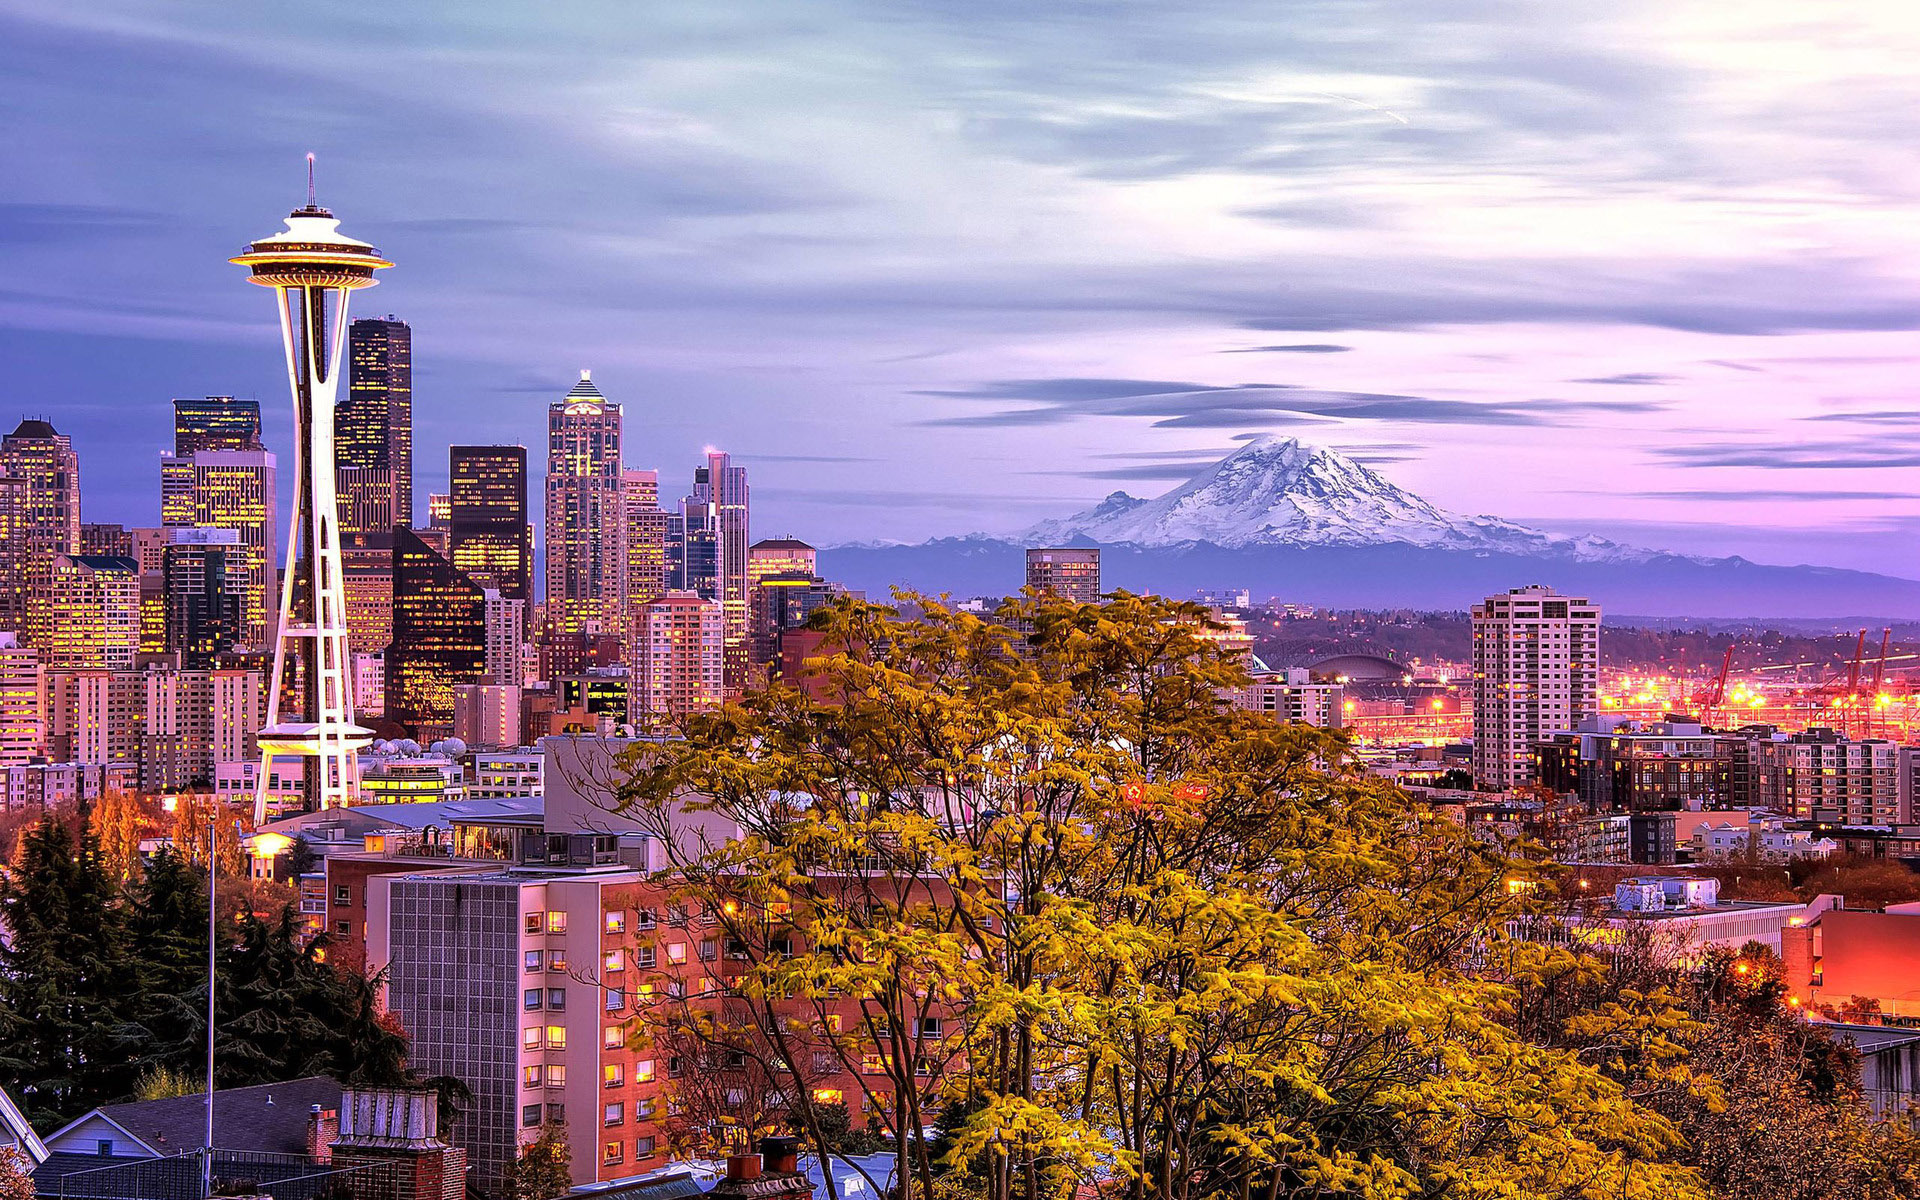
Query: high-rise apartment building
487, 715
236, 490
23, 724
94, 618
1536, 670
106, 539
194, 721
1069, 573
781, 602
488, 535
95, 716
366, 576
779, 556
726, 489
439, 637
39, 520
203, 595
373, 428
215, 423
586, 522
679, 663
506, 634
646, 537
1825, 775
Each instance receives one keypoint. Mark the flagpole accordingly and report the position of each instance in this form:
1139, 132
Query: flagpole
213, 944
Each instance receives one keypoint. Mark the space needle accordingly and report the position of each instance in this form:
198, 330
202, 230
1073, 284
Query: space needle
312, 267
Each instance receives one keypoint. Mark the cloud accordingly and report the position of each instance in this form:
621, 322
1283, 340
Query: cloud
1880, 417
1631, 379
1831, 456
1758, 495
1181, 405
1302, 348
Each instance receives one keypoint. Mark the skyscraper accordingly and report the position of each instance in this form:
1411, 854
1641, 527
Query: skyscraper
205, 589
236, 490
1071, 574
39, 520
679, 664
313, 268
373, 427
487, 517
586, 525
94, 621
780, 556
1536, 671
439, 637
781, 602
23, 725
366, 576
727, 488
215, 423
506, 635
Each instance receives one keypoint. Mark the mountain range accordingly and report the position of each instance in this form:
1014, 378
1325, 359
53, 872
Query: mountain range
1304, 523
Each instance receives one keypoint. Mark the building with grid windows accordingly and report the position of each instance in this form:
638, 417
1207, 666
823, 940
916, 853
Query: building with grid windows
233, 490
439, 637
373, 428
39, 520
586, 567
1071, 574
1536, 670
679, 663
487, 532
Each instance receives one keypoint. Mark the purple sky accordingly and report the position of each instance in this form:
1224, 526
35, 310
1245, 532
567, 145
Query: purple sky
1641, 269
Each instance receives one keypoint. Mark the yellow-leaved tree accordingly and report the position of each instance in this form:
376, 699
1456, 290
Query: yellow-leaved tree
1032, 879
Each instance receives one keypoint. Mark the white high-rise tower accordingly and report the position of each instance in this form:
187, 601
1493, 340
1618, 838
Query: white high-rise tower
311, 267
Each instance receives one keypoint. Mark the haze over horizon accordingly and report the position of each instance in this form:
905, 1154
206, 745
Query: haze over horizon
1646, 272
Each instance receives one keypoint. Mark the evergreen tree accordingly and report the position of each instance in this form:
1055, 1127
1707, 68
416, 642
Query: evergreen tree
68, 979
168, 921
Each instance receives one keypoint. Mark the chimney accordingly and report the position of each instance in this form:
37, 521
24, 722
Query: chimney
742, 1167
323, 1127
781, 1154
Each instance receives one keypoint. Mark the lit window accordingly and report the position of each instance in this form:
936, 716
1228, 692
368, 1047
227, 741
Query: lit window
530, 1040
677, 952
615, 1074
615, 1038
531, 1076
615, 1152
643, 1071
556, 1037
557, 1075
556, 922
828, 1096
616, 922
533, 921
556, 960
616, 960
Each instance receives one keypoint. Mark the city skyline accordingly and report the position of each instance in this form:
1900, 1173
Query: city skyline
1715, 309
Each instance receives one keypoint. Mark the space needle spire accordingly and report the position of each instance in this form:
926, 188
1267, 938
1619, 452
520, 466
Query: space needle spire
312, 267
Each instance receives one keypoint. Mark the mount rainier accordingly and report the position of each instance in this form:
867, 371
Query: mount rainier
1304, 523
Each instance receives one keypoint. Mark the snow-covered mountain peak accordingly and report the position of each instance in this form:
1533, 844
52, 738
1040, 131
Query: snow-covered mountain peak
1282, 491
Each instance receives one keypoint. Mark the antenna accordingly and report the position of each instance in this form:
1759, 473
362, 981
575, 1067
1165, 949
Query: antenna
310, 201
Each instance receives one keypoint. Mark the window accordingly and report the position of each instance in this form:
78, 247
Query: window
529, 1116
677, 915
534, 960
530, 999
556, 1037
643, 1071
643, 1147
530, 1039
104, 1147
342, 896
872, 1064
556, 960
642, 1109
343, 927
645, 958
824, 1063
677, 989
616, 922
929, 1027
616, 1075
737, 949
556, 1114
614, 1153
616, 999
615, 960
530, 1076
614, 1038
677, 952
709, 949
616, 1113
557, 999
556, 921
534, 921
829, 1096
643, 918
557, 1075
676, 1066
